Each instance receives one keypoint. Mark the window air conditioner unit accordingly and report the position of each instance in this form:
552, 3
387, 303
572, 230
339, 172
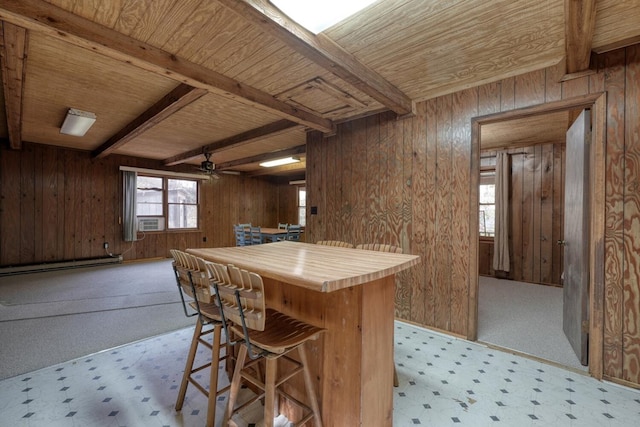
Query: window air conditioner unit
151, 224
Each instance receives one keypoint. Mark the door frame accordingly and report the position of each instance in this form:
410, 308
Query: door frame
597, 103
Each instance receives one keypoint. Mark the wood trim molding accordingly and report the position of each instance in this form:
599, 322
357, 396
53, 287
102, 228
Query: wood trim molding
271, 129
597, 239
13, 48
41, 16
322, 51
583, 101
199, 176
175, 100
580, 24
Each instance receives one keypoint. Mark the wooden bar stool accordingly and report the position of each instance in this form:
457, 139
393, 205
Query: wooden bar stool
268, 336
194, 281
336, 243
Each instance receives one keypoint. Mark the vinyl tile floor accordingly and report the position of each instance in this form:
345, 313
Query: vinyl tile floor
444, 381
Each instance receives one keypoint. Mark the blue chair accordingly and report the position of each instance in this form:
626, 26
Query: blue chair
256, 235
243, 234
293, 232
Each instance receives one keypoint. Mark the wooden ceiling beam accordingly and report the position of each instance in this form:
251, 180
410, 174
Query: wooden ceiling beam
300, 149
580, 24
171, 103
268, 130
323, 51
13, 48
38, 15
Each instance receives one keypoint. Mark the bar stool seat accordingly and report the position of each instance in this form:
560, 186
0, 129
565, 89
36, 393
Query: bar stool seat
194, 281
268, 335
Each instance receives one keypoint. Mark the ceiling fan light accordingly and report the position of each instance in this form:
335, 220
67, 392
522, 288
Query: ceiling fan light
279, 162
77, 122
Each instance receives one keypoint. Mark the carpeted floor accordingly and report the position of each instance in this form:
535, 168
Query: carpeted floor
51, 317
526, 318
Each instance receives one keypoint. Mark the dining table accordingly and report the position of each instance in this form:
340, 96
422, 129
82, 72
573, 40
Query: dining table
272, 234
348, 292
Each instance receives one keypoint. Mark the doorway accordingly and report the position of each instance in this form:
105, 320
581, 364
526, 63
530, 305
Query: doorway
595, 222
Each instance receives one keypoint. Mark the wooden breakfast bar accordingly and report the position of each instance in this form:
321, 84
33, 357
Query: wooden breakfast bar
348, 292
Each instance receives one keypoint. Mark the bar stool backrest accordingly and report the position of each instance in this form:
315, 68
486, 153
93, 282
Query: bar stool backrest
242, 298
336, 243
193, 276
182, 269
379, 247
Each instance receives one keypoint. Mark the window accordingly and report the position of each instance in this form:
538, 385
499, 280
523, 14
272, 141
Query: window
487, 220
183, 203
175, 200
302, 206
149, 196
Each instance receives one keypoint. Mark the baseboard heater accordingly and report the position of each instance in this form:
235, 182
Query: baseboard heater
61, 265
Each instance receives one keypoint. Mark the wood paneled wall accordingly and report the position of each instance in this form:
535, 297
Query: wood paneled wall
59, 204
288, 204
407, 182
537, 214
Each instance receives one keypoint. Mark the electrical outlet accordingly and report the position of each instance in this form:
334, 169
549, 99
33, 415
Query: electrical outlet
106, 245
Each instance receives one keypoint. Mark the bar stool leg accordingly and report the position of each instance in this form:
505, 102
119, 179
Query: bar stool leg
308, 383
235, 384
189, 365
396, 382
213, 380
270, 390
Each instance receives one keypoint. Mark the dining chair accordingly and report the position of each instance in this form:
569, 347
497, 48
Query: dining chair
282, 225
256, 235
293, 232
194, 283
336, 243
384, 248
268, 336
242, 232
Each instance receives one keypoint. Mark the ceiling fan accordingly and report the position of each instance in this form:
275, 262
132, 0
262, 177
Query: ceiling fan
208, 167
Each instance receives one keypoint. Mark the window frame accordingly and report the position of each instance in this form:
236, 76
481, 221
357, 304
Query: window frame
486, 170
166, 204
301, 208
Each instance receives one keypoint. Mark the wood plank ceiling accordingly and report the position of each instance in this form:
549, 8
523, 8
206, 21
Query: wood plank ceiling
172, 79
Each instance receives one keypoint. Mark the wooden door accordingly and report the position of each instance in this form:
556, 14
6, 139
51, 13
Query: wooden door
576, 236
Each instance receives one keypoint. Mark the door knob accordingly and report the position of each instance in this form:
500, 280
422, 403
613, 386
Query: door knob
561, 242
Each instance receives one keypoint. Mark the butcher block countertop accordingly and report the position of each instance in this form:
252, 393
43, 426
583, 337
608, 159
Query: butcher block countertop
316, 267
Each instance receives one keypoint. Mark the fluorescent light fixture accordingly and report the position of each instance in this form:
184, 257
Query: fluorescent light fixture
279, 162
318, 15
77, 122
